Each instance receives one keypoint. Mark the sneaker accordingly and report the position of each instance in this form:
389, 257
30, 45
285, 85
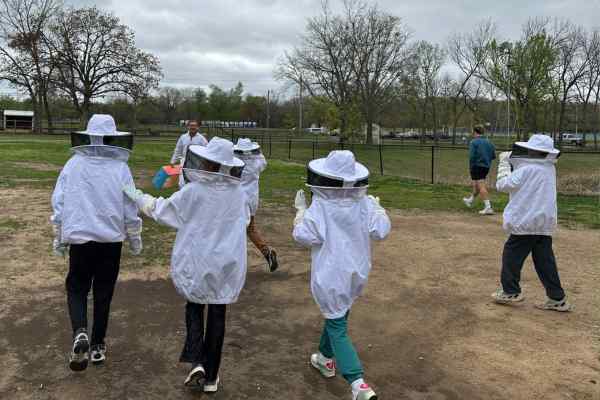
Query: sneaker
363, 392
468, 201
195, 376
271, 257
556, 305
487, 211
78, 360
504, 298
326, 366
211, 387
98, 354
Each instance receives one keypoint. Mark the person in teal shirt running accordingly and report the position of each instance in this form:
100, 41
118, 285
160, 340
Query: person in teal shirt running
481, 154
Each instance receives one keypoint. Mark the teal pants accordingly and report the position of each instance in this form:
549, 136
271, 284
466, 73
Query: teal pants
335, 343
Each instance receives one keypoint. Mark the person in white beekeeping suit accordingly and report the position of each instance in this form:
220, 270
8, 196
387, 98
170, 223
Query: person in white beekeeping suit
339, 226
191, 137
91, 219
530, 219
255, 163
208, 264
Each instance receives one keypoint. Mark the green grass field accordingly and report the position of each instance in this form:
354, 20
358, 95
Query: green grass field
29, 161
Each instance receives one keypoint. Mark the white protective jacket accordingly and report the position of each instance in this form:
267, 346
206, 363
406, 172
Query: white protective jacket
338, 227
531, 209
88, 200
183, 143
255, 165
210, 213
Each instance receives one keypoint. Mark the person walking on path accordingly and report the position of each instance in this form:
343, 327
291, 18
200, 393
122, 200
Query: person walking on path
192, 136
481, 154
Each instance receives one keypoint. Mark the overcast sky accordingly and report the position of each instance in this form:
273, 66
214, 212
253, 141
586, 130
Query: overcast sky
201, 42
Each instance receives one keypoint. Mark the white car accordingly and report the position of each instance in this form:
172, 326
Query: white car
569, 138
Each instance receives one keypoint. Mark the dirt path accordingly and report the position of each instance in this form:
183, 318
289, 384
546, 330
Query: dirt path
425, 328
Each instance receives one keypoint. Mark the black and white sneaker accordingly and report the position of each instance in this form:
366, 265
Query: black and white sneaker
211, 386
78, 360
195, 376
98, 354
271, 257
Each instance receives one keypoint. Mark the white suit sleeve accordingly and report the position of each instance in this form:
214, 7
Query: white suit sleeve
167, 211
133, 223
58, 197
379, 223
178, 153
510, 183
262, 164
309, 232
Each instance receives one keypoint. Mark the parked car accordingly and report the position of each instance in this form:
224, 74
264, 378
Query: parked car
572, 139
315, 131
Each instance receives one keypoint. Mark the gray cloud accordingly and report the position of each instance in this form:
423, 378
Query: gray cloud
222, 42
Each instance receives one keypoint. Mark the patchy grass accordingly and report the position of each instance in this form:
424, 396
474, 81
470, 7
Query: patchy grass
279, 183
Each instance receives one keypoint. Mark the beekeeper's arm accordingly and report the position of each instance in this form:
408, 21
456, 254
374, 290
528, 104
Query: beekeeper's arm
178, 153
133, 223
507, 181
379, 223
308, 230
163, 211
58, 247
262, 165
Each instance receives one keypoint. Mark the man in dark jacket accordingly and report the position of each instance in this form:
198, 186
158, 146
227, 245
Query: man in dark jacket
481, 154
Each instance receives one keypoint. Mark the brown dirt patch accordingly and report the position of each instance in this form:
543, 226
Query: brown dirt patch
425, 328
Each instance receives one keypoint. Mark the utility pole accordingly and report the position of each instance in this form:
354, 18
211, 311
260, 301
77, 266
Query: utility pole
268, 109
300, 108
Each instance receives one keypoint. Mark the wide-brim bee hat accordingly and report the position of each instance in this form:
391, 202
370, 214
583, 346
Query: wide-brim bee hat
102, 131
537, 147
246, 147
218, 151
339, 170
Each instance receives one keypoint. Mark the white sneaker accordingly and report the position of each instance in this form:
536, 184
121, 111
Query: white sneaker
556, 305
195, 376
487, 211
363, 392
78, 360
98, 354
326, 366
211, 387
504, 298
468, 201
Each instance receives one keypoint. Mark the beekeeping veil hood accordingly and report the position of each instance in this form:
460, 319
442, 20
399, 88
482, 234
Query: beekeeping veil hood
246, 148
338, 176
214, 159
101, 139
539, 148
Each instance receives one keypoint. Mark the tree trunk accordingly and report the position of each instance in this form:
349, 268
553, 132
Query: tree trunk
49, 120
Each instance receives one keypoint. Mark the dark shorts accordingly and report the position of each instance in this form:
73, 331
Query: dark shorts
479, 173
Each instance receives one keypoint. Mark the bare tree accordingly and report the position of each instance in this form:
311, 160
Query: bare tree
322, 62
468, 52
96, 55
379, 55
587, 85
24, 60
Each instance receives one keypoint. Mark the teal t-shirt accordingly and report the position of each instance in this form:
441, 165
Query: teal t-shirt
481, 153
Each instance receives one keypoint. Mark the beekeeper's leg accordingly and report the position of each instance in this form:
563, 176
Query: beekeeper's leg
78, 283
545, 266
108, 261
256, 238
194, 349
215, 336
516, 250
345, 355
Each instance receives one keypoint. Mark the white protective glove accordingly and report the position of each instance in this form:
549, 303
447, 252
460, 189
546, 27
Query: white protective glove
58, 248
134, 237
376, 205
144, 201
503, 165
300, 204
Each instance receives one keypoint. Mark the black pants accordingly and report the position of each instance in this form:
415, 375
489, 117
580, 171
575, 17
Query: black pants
204, 347
516, 250
92, 265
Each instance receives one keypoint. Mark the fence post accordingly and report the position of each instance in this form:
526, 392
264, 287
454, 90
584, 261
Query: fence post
232, 139
432, 165
270, 144
314, 147
595, 140
289, 149
380, 158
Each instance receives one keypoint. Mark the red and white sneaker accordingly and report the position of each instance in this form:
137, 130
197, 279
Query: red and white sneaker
362, 391
326, 366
